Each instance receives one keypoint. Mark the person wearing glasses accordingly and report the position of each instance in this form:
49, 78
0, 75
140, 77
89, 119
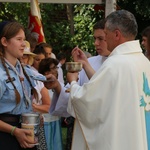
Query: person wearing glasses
52, 123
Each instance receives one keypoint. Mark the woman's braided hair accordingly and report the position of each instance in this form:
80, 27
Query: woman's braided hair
9, 30
7, 72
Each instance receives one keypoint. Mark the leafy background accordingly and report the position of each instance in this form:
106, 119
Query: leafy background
57, 21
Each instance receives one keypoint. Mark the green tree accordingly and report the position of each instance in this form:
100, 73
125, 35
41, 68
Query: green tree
57, 28
140, 7
141, 10
84, 18
15, 11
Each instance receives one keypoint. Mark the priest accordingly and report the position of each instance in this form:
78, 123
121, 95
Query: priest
112, 110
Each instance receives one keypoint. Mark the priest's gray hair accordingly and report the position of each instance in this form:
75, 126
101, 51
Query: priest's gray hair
124, 21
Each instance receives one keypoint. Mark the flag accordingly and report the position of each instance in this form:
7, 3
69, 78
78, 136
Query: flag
35, 26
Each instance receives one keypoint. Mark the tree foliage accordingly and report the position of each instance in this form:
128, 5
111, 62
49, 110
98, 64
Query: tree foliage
57, 29
141, 10
84, 19
58, 32
141, 7
15, 11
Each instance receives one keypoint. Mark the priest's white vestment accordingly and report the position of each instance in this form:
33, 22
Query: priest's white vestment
112, 110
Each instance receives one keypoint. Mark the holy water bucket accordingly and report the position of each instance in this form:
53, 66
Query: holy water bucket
31, 121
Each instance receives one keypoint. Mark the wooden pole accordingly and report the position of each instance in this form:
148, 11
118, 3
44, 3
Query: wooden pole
110, 6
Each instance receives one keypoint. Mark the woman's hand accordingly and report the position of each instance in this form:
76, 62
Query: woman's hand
22, 137
34, 107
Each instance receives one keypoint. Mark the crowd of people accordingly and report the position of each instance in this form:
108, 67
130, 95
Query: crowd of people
107, 106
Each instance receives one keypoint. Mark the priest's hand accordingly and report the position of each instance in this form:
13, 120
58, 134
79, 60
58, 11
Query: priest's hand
72, 77
79, 56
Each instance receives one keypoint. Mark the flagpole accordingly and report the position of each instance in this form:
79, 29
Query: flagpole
110, 6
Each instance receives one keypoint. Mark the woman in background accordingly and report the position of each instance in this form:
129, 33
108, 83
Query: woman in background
42, 104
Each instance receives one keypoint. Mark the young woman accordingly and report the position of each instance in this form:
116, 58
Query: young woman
47, 48
16, 88
40, 54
